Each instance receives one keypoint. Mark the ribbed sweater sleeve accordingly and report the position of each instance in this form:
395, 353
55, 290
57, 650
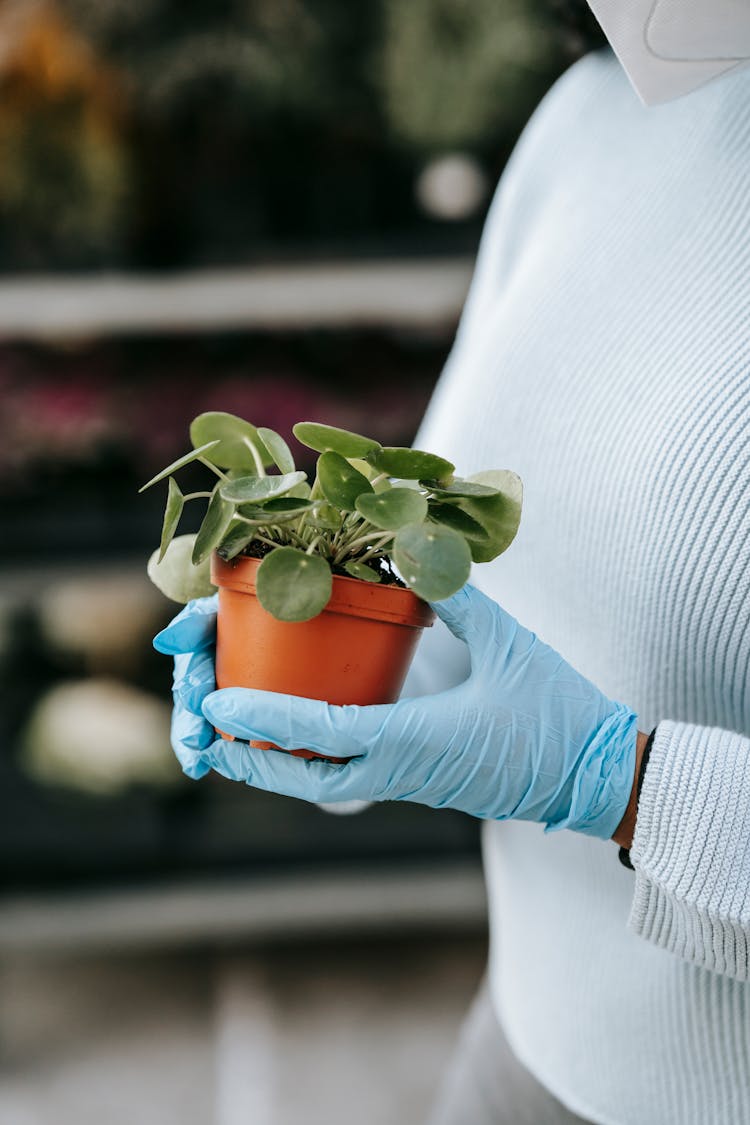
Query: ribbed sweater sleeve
604, 355
691, 849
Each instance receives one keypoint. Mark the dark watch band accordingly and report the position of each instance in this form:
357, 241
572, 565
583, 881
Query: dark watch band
624, 853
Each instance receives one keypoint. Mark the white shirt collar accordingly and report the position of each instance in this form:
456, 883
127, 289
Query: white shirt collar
670, 47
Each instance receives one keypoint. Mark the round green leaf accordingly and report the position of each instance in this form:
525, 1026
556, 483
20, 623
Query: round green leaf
172, 513
501, 480
287, 503
252, 489
253, 514
272, 513
235, 541
278, 448
340, 483
362, 571
325, 439
193, 455
232, 434
500, 515
219, 515
411, 464
325, 517
434, 560
293, 586
453, 516
393, 509
176, 576
302, 491
459, 487
372, 474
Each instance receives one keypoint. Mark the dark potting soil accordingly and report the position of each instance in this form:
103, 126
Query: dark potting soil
388, 576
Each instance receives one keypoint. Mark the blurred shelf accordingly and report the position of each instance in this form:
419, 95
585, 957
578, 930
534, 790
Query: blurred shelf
409, 293
447, 896
32, 577
19, 580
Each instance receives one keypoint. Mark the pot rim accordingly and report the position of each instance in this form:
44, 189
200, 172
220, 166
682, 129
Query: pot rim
396, 604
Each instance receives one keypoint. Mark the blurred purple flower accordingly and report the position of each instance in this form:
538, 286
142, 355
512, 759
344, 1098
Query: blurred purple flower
52, 418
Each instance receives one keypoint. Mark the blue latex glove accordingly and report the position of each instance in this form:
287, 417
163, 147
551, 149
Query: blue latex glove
191, 638
525, 736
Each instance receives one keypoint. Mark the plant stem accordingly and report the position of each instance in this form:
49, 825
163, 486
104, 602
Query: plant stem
196, 495
351, 547
346, 537
259, 466
264, 539
298, 539
264, 531
346, 528
213, 468
373, 551
362, 539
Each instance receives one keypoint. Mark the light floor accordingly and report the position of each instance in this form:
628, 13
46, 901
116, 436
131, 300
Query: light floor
325, 1034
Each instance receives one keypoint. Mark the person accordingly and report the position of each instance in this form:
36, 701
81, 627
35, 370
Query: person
604, 354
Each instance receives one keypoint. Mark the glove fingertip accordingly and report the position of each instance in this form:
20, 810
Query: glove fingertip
226, 703
211, 707
197, 768
162, 643
454, 602
200, 739
456, 611
230, 760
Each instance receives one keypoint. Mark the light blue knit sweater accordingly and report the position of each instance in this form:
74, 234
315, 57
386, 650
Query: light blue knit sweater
604, 354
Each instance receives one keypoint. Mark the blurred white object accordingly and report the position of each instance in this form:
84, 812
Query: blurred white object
106, 618
452, 187
408, 293
670, 47
345, 808
279, 1036
99, 736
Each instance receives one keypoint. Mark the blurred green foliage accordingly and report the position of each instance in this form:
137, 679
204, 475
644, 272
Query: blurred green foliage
461, 73
170, 132
64, 172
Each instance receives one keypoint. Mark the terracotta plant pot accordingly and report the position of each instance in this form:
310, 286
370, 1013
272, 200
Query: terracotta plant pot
358, 650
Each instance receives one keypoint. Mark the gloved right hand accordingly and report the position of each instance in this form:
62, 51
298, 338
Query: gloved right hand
526, 736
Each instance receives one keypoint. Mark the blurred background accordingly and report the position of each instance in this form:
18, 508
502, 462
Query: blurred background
269, 207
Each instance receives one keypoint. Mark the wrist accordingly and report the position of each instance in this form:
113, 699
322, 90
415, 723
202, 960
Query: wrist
623, 834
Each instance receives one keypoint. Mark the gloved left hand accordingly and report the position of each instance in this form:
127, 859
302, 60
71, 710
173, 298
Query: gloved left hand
191, 638
525, 736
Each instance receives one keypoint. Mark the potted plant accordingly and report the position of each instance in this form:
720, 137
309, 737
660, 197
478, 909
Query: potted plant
323, 585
